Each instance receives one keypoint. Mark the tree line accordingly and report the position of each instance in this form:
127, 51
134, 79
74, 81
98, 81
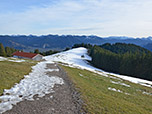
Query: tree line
49, 52
121, 58
6, 51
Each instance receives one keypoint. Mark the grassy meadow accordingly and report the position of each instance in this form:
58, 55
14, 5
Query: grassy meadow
101, 100
13, 72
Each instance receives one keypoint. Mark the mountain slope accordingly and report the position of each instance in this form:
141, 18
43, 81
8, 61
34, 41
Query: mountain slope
43, 43
148, 46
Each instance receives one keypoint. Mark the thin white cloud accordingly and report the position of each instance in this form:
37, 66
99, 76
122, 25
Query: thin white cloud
99, 17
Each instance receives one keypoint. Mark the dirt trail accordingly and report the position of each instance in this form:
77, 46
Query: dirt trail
64, 100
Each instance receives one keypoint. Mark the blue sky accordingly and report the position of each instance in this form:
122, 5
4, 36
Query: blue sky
78, 17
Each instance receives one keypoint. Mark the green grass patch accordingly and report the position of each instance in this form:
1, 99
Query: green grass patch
100, 100
13, 72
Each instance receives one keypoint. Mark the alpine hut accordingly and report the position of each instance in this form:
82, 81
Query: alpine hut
25, 55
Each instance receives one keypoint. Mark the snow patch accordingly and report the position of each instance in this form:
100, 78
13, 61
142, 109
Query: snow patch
147, 93
51, 96
11, 59
117, 90
80, 75
113, 89
36, 83
17, 60
119, 83
51, 70
115, 78
135, 80
3, 58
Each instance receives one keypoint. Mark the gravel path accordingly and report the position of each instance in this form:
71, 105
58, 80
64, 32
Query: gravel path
64, 100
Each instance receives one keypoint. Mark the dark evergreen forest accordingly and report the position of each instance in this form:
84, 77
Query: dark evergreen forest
121, 58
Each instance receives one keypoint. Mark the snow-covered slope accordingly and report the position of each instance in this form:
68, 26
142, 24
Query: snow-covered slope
73, 58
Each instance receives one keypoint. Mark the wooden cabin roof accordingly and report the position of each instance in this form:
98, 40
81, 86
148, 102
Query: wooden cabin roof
24, 54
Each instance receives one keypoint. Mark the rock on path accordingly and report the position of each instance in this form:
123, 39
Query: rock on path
64, 100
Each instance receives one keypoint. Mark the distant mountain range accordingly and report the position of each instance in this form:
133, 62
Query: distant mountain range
47, 42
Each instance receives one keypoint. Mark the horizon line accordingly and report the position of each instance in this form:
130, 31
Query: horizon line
76, 35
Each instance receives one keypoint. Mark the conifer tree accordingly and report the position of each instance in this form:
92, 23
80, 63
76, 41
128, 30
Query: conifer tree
8, 51
2, 50
36, 51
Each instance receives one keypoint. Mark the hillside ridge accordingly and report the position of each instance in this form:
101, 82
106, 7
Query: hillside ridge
47, 42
